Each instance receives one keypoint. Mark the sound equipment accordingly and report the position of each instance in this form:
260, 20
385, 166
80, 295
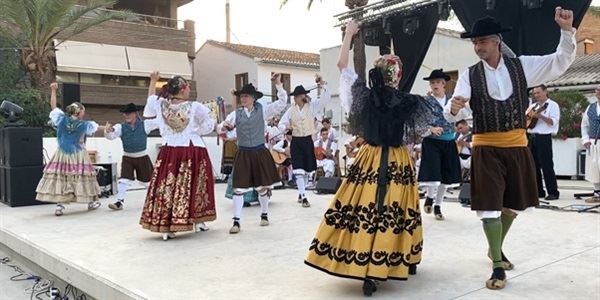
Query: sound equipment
71, 93
328, 185
465, 194
21, 146
18, 184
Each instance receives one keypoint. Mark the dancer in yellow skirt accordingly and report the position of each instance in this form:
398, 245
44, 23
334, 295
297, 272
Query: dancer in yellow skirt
372, 229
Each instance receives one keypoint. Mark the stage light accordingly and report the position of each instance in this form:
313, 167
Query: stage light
533, 4
410, 25
444, 10
490, 4
11, 110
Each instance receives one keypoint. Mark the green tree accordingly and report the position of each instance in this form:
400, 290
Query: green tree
14, 84
572, 105
32, 25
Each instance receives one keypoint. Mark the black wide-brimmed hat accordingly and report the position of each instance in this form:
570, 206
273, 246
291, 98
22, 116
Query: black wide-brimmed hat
437, 74
129, 108
299, 90
249, 89
484, 27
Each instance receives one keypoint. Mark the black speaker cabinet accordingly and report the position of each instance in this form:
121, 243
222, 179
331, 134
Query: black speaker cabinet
328, 185
71, 93
21, 146
18, 184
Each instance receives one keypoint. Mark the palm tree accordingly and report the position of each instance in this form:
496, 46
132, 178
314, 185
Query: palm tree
32, 25
359, 56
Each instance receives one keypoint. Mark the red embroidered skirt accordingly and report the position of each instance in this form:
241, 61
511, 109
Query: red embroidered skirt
181, 191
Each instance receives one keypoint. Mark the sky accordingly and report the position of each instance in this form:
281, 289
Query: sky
264, 23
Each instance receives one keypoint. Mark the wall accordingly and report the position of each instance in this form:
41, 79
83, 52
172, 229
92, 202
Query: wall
215, 69
590, 28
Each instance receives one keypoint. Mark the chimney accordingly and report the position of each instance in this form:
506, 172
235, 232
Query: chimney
588, 47
227, 26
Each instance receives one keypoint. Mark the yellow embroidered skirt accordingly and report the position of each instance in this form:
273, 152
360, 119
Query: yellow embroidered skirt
361, 238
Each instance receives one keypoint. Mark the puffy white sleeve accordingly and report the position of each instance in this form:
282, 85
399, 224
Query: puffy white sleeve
585, 127
229, 119
347, 79
279, 146
275, 108
201, 115
152, 106
91, 127
150, 124
462, 89
115, 134
56, 116
320, 103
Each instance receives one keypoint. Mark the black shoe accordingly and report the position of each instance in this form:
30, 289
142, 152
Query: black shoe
264, 220
551, 197
427, 205
412, 269
369, 287
437, 211
541, 195
247, 204
305, 203
117, 205
498, 279
236, 226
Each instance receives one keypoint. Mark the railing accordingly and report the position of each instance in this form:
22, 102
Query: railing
370, 13
147, 19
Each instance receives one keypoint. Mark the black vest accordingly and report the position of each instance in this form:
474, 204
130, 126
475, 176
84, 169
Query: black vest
491, 115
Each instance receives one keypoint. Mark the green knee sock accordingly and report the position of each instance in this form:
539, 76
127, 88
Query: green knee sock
506, 223
493, 232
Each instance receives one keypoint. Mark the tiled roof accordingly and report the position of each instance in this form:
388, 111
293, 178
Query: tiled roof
584, 70
273, 56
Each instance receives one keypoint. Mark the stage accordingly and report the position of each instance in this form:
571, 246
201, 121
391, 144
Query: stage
107, 254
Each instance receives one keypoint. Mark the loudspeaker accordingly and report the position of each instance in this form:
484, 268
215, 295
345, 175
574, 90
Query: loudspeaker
328, 185
18, 184
71, 93
21, 146
465, 193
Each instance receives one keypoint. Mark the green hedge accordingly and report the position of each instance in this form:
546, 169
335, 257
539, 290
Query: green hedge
572, 106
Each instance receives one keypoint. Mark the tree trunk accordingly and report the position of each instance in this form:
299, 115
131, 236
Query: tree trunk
42, 70
360, 57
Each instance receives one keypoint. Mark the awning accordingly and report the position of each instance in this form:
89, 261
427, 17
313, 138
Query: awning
81, 57
142, 61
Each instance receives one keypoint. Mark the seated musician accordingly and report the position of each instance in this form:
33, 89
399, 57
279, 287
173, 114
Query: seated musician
463, 138
283, 147
352, 147
325, 152
273, 133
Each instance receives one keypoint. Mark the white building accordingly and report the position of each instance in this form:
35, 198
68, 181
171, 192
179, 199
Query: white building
220, 67
447, 51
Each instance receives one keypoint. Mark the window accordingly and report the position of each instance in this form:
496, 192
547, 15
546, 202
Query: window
90, 78
286, 80
240, 81
67, 77
451, 85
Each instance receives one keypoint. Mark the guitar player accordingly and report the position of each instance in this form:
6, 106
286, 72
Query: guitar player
325, 149
282, 155
543, 116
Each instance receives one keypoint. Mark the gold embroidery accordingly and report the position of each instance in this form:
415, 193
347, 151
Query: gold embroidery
177, 117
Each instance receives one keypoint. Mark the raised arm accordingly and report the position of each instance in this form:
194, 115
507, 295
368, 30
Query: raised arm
324, 95
541, 69
53, 89
352, 29
154, 77
275, 108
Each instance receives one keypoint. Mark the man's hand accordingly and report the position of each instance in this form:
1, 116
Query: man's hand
352, 28
108, 127
564, 18
437, 131
457, 104
54, 86
587, 145
276, 78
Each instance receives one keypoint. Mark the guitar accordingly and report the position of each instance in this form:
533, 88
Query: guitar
531, 120
279, 157
464, 138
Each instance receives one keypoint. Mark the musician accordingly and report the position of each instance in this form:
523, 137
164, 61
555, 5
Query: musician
326, 123
352, 146
440, 165
301, 119
273, 134
545, 113
463, 141
590, 133
253, 165
325, 149
503, 171
283, 147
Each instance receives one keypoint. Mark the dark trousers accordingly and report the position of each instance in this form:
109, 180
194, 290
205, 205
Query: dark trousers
541, 149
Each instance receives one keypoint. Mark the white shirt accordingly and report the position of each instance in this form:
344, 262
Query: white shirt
118, 131
200, 123
585, 124
269, 110
537, 69
279, 146
552, 112
274, 134
466, 149
315, 106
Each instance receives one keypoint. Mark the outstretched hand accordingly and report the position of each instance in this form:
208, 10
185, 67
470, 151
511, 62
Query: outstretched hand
564, 18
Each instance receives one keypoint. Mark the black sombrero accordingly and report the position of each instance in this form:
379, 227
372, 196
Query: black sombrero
437, 74
299, 90
129, 108
249, 89
484, 27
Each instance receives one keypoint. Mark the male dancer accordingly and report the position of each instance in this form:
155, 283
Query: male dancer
440, 165
494, 91
254, 167
301, 119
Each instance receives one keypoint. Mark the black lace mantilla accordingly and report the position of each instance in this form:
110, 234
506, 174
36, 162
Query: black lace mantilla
378, 258
367, 218
396, 173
